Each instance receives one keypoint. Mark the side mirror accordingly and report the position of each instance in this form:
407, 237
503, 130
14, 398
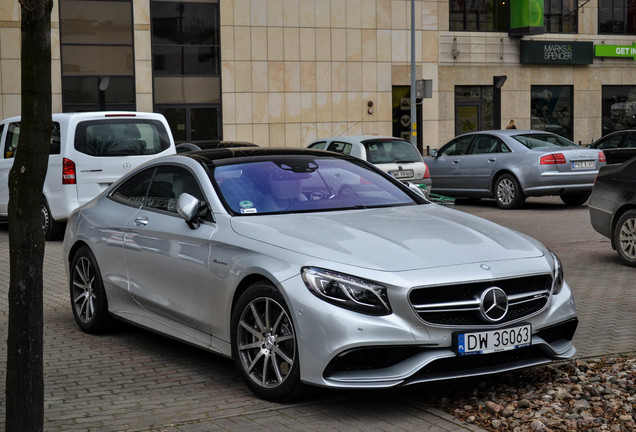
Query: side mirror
434, 153
190, 209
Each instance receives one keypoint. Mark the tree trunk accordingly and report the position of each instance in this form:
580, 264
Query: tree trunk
25, 377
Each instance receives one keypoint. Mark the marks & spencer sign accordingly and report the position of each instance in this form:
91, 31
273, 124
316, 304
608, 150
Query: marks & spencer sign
557, 52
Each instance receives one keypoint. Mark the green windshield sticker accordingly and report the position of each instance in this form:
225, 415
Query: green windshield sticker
246, 204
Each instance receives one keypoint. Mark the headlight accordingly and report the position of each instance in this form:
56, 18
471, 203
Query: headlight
347, 291
557, 274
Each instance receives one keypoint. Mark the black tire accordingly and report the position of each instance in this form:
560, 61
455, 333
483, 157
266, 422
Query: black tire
264, 346
624, 237
575, 199
508, 192
53, 230
88, 297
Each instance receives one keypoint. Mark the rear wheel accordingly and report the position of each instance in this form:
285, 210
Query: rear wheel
88, 297
508, 192
264, 343
53, 230
625, 238
575, 199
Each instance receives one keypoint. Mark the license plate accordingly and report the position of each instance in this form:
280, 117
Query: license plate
490, 341
583, 164
402, 174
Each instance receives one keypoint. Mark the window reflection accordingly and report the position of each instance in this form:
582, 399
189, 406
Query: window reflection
551, 109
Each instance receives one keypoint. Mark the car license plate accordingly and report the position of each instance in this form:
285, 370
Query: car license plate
583, 164
490, 341
402, 174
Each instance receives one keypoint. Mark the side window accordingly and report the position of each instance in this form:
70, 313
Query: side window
168, 183
318, 145
340, 147
485, 144
457, 147
134, 190
610, 142
631, 140
13, 136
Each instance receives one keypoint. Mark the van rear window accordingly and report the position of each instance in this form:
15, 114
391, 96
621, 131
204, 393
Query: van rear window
121, 137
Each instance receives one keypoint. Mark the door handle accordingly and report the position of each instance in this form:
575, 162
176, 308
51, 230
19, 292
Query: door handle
142, 220
492, 159
456, 161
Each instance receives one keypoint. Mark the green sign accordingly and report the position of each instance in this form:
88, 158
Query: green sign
557, 52
626, 51
526, 17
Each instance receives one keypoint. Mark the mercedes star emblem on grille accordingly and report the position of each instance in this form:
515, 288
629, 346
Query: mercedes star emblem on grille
493, 304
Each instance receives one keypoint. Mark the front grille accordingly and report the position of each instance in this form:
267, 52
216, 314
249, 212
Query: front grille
459, 305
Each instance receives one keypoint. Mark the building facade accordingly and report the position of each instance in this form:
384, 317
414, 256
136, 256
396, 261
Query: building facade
285, 72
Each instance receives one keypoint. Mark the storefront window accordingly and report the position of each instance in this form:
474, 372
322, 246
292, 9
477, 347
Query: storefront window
552, 109
617, 17
619, 108
560, 16
479, 15
473, 108
96, 41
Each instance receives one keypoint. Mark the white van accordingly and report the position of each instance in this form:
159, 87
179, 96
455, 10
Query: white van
89, 151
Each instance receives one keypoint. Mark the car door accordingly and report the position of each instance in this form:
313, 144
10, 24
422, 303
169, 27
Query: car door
478, 166
445, 166
167, 260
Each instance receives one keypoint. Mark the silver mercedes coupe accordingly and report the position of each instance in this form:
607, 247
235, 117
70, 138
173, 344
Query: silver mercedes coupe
313, 268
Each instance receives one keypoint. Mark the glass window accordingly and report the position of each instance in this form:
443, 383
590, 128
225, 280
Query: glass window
185, 38
560, 16
619, 108
123, 137
474, 108
385, 151
485, 144
479, 15
340, 147
617, 17
97, 40
540, 141
133, 191
610, 142
552, 109
457, 147
13, 136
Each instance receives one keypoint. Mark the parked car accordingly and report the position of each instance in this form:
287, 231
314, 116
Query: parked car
311, 267
88, 152
395, 156
613, 208
510, 165
618, 146
205, 145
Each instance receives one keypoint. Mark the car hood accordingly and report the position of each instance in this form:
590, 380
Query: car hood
390, 239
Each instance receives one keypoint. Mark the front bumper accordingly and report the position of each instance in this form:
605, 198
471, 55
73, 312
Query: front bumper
344, 349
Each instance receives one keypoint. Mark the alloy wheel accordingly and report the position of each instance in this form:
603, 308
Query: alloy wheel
83, 293
627, 238
266, 342
506, 191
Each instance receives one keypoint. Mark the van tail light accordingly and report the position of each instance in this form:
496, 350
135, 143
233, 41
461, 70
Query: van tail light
427, 173
552, 159
601, 157
68, 172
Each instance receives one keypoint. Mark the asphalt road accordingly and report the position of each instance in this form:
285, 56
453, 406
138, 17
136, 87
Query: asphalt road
133, 380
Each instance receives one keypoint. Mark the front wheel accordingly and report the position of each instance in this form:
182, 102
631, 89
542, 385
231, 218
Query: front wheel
508, 192
88, 297
625, 238
575, 199
264, 345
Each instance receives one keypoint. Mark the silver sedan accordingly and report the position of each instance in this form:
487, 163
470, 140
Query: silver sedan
510, 165
312, 268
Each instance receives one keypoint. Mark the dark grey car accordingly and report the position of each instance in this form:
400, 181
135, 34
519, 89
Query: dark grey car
510, 165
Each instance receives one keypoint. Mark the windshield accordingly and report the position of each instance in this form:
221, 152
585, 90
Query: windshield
391, 151
302, 183
541, 141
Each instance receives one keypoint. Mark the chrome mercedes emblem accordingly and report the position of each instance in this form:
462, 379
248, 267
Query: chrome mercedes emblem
493, 304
